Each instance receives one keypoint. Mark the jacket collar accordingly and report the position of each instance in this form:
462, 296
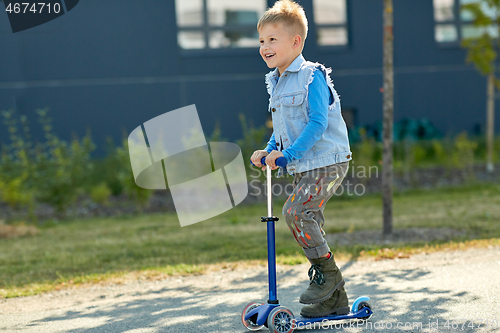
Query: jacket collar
294, 66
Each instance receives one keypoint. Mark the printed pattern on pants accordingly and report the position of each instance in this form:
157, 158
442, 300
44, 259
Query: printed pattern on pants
304, 208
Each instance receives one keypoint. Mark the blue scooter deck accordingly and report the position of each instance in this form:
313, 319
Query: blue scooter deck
362, 313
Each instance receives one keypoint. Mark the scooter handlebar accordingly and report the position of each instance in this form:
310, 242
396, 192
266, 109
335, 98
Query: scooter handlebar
281, 161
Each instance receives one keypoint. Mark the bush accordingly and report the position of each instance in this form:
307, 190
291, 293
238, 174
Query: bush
460, 152
53, 171
253, 139
114, 171
100, 194
56, 172
439, 152
365, 153
125, 176
13, 193
496, 151
463, 154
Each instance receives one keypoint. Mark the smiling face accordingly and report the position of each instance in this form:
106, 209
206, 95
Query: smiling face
278, 47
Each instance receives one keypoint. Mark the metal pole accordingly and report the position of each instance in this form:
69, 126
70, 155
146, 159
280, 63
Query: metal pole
271, 249
269, 193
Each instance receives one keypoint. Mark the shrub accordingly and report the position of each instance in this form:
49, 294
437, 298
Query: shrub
126, 177
53, 171
367, 151
100, 194
439, 152
253, 139
463, 154
13, 193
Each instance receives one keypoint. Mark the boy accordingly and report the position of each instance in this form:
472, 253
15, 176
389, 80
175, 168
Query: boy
309, 131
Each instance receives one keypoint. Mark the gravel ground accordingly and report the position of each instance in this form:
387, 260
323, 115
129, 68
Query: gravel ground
418, 294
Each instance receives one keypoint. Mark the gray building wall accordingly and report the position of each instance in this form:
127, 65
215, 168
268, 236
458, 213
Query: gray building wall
111, 65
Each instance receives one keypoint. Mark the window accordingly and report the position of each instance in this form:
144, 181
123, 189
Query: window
216, 24
330, 18
453, 24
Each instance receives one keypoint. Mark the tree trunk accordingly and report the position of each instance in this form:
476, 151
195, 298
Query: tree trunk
387, 174
490, 122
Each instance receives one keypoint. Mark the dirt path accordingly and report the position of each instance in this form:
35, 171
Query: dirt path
418, 292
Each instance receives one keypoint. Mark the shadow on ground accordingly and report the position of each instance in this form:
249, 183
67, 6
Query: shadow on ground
394, 299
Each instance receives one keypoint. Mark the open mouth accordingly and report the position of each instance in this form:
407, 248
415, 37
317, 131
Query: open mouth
269, 56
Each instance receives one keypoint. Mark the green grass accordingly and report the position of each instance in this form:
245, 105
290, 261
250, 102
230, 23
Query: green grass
95, 250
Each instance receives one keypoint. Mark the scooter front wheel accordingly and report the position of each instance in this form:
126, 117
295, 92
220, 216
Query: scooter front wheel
250, 322
364, 305
281, 320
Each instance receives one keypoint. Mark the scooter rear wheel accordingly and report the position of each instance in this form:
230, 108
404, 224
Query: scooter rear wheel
281, 320
250, 323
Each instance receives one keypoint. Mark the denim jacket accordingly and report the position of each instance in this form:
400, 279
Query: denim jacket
289, 107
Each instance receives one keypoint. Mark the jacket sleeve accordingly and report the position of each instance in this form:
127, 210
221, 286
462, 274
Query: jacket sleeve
271, 144
319, 97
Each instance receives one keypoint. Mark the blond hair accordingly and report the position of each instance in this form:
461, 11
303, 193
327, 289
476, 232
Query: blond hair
290, 14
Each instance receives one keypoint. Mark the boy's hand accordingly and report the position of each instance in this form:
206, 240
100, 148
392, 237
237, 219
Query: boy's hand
257, 156
271, 159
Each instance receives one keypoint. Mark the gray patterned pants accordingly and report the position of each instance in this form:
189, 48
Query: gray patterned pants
304, 208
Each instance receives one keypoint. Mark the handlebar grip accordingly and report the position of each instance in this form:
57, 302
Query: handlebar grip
281, 161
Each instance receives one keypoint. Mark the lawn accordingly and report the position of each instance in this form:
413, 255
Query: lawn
107, 249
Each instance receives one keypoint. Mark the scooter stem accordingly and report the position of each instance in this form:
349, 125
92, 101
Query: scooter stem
271, 248
270, 219
269, 193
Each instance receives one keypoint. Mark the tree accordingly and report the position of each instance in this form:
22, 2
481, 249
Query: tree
482, 52
387, 174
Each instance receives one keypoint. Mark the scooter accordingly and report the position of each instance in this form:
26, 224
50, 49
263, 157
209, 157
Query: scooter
272, 315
